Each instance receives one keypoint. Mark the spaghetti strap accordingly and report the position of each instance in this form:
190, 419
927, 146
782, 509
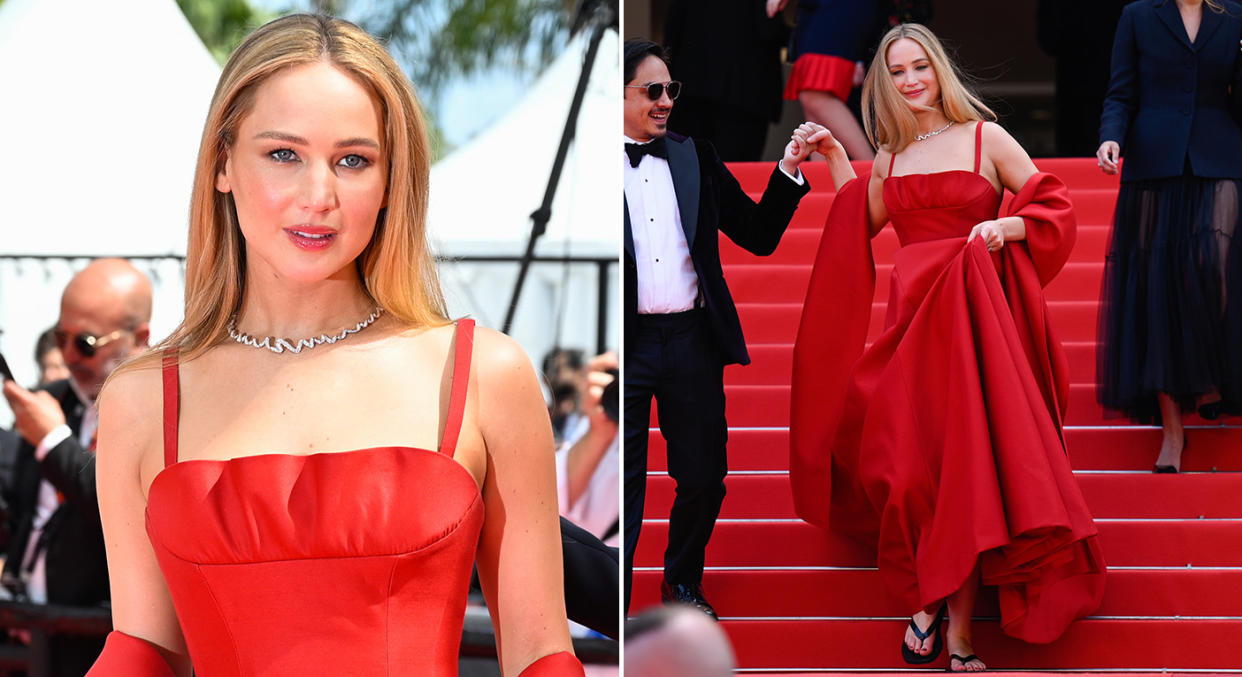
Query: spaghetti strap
172, 404
461, 383
891, 159
978, 144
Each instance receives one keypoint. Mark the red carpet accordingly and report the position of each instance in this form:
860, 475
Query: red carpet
797, 600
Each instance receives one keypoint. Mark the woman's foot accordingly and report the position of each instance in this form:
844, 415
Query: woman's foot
1170, 458
962, 656
924, 637
1209, 406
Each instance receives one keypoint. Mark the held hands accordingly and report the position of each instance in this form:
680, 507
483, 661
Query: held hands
806, 139
992, 232
35, 414
1107, 156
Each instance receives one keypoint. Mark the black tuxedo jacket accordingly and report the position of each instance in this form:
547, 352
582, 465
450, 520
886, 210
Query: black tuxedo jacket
1170, 100
710, 201
77, 569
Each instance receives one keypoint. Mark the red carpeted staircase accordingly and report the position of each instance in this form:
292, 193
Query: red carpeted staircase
797, 599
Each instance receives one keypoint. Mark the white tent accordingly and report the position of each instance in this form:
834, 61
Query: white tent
482, 196
104, 105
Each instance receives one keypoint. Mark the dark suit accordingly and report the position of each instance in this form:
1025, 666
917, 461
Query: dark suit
679, 359
77, 570
1169, 103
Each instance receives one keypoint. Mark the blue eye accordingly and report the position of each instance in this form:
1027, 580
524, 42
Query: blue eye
354, 161
283, 155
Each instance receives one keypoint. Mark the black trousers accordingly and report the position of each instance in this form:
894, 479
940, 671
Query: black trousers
675, 361
590, 580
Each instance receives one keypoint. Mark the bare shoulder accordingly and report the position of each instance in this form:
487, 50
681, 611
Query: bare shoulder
131, 415
133, 399
499, 362
1009, 159
998, 142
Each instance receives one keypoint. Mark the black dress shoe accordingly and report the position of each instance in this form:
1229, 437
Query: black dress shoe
691, 595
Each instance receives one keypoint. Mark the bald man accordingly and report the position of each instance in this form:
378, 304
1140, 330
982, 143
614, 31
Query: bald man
676, 641
56, 554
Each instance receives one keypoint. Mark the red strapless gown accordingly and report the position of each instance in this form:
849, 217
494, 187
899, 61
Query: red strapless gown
343, 563
941, 443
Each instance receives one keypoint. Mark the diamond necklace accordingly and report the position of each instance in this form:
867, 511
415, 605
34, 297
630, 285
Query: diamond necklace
924, 137
281, 345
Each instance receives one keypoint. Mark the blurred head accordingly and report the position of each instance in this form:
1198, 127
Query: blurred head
911, 74
645, 64
105, 316
50, 360
676, 641
314, 133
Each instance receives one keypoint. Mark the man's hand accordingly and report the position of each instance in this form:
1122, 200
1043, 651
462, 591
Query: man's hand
598, 378
36, 414
1106, 157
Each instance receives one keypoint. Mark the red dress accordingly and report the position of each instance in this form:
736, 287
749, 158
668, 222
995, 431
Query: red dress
941, 443
342, 563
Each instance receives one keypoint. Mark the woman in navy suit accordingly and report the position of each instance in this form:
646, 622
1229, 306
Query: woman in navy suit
1171, 310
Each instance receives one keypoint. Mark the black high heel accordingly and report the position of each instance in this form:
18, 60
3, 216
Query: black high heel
937, 646
1171, 469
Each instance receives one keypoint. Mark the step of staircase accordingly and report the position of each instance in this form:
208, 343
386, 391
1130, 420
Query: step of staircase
798, 600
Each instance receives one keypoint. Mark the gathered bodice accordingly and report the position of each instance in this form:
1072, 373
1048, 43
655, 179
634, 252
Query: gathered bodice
940, 205
352, 562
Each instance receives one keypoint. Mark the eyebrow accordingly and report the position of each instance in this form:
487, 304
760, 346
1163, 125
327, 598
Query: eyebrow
912, 63
293, 138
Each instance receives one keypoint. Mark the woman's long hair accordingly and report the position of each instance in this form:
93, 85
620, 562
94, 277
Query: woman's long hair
397, 269
887, 118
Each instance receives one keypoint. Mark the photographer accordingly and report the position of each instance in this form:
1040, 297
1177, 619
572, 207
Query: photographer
588, 463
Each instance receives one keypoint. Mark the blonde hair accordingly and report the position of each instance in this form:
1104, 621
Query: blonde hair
887, 118
397, 269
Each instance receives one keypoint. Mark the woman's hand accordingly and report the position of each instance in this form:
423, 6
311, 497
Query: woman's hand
1107, 156
992, 232
807, 138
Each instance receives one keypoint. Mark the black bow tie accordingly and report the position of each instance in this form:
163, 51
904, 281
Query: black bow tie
636, 151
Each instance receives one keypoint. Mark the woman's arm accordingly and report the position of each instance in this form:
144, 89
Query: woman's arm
1012, 167
519, 556
129, 451
877, 213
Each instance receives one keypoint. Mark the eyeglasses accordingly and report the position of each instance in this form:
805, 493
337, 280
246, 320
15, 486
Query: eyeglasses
656, 89
85, 343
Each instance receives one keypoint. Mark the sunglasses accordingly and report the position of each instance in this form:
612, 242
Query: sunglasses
85, 343
656, 89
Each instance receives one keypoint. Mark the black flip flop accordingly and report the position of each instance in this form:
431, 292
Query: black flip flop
918, 659
963, 660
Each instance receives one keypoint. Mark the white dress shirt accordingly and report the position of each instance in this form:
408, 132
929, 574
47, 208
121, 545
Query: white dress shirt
667, 282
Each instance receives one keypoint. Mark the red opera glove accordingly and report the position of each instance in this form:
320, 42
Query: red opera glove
561, 664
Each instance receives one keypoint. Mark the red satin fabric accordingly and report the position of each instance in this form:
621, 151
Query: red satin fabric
127, 656
560, 664
342, 563
941, 443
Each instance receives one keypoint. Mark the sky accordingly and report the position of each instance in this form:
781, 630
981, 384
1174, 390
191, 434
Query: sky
456, 107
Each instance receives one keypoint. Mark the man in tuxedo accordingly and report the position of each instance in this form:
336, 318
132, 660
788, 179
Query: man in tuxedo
681, 327
56, 553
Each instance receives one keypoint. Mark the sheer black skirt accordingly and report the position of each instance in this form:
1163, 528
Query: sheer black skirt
1171, 301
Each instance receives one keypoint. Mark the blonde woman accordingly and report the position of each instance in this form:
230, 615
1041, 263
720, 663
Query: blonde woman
941, 443
313, 503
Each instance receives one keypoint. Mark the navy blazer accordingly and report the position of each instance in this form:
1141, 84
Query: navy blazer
709, 200
1170, 101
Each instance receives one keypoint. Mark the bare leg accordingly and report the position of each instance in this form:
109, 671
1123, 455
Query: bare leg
831, 112
961, 611
1174, 434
